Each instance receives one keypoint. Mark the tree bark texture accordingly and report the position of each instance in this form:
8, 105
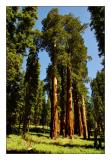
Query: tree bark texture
84, 121
76, 118
69, 112
80, 127
63, 105
54, 110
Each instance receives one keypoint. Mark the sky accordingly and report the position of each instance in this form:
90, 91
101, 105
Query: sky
89, 38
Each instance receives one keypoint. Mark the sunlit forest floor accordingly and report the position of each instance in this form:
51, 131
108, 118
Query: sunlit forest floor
37, 140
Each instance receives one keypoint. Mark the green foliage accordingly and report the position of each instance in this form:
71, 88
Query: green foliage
90, 113
19, 37
40, 102
15, 101
46, 113
54, 35
31, 84
98, 24
98, 95
75, 47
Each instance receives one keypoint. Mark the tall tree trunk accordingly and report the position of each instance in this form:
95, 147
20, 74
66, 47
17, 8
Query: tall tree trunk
27, 112
76, 119
69, 112
84, 121
25, 123
62, 123
54, 110
80, 128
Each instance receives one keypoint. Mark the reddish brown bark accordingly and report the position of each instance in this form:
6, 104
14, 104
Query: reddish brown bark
54, 110
63, 105
80, 128
69, 112
78, 117
84, 121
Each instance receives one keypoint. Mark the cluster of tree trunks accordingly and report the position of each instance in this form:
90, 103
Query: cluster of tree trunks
80, 117
67, 127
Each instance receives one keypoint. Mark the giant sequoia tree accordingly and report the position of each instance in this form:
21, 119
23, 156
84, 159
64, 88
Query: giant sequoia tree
76, 66
53, 34
63, 40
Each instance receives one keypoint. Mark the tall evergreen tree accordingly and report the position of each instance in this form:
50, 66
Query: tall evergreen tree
97, 84
98, 96
90, 115
40, 103
98, 24
18, 39
31, 80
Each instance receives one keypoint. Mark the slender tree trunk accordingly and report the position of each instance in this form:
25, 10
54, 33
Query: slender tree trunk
95, 135
76, 119
25, 122
69, 112
84, 121
20, 121
80, 128
62, 124
54, 110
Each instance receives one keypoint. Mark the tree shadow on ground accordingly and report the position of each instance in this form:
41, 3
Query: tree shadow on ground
63, 145
73, 145
39, 130
76, 145
14, 131
49, 152
27, 152
91, 139
40, 135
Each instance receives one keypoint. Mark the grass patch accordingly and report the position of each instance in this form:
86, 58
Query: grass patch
38, 141
41, 143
